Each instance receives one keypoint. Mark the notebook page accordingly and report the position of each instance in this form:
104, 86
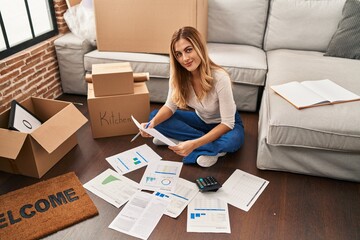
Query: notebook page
330, 90
298, 94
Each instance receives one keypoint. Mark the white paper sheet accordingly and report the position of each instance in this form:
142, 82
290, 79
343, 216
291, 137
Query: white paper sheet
140, 215
155, 133
112, 187
133, 159
161, 176
207, 213
184, 192
242, 189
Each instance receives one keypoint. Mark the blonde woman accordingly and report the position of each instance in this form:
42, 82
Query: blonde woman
200, 111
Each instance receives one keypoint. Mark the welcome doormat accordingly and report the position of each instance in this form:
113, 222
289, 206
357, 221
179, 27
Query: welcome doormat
44, 208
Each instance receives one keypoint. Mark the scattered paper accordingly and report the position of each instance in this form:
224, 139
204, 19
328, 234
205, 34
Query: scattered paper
242, 189
140, 215
112, 187
184, 192
207, 213
133, 159
155, 133
161, 176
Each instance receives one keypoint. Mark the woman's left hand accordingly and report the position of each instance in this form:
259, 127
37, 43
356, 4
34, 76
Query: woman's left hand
183, 148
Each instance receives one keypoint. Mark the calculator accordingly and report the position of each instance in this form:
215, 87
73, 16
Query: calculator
207, 184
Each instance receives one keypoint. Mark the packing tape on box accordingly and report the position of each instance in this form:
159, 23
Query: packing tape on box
138, 77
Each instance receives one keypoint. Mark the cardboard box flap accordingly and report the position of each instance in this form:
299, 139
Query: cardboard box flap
59, 128
45, 109
11, 143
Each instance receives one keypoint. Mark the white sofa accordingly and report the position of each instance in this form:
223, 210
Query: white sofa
263, 43
321, 141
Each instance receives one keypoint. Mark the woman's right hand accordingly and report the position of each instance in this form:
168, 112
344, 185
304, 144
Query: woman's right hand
146, 125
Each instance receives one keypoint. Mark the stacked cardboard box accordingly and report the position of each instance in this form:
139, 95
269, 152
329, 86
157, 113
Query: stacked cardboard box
33, 154
113, 97
143, 25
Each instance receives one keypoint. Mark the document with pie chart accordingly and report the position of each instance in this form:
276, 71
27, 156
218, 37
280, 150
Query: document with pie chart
161, 176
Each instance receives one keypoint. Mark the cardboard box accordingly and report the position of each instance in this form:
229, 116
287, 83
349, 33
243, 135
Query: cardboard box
111, 115
35, 153
143, 25
112, 79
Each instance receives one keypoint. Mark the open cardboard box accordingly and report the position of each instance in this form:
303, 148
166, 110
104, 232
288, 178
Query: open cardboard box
35, 153
111, 115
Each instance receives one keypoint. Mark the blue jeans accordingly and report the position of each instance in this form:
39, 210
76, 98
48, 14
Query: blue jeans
186, 125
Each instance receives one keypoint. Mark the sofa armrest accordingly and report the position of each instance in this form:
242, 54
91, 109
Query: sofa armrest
70, 51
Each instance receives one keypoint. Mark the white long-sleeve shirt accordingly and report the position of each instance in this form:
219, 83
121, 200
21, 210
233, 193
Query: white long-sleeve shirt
218, 106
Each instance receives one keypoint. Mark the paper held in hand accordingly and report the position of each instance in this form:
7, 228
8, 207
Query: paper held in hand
314, 93
153, 132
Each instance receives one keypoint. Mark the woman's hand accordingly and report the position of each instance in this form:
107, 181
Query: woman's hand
146, 125
184, 148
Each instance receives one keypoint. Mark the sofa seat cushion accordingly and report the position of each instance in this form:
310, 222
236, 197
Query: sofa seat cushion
156, 65
331, 127
245, 64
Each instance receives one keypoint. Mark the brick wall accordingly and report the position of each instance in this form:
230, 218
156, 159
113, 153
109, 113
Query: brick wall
34, 71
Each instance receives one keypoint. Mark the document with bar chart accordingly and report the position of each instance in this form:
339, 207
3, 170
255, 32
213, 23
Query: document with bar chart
133, 159
161, 176
207, 213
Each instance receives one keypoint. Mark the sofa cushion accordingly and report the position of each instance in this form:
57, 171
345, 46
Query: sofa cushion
156, 65
302, 24
237, 21
332, 127
245, 64
346, 40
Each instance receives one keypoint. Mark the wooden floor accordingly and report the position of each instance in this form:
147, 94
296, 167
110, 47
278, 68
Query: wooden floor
293, 206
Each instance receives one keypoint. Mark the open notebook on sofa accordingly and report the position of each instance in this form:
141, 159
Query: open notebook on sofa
314, 93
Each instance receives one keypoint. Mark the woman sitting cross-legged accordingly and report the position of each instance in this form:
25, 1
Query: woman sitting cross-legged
200, 112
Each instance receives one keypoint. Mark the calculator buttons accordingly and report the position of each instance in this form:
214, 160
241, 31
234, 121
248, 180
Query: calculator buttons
207, 184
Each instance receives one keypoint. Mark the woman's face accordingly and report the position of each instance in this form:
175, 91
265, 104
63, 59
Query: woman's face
186, 55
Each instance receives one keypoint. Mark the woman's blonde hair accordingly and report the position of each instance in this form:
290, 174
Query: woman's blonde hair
180, 76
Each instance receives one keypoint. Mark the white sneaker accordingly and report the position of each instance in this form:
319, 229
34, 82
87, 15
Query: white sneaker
160, 143
208, 161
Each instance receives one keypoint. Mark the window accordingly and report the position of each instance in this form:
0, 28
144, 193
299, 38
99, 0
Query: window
25, 23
